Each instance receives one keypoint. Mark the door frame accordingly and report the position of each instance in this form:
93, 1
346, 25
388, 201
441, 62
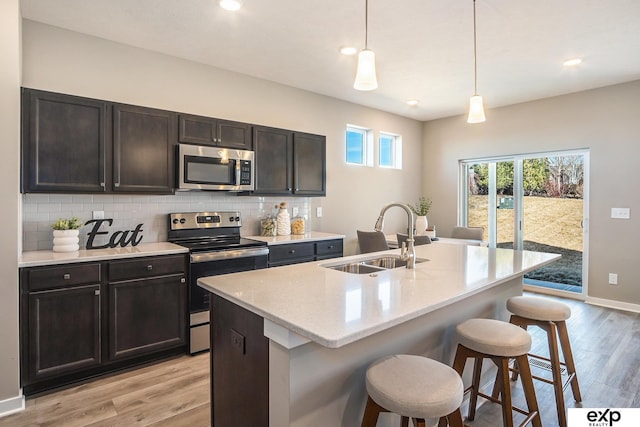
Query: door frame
463, 205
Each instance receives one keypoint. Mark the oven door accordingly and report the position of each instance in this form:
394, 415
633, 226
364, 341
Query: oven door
214, 264
210, 168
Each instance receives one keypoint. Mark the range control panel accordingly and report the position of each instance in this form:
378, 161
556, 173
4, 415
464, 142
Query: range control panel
190, 220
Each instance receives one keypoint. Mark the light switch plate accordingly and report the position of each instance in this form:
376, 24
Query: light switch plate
319, 211
98, 214
620, 213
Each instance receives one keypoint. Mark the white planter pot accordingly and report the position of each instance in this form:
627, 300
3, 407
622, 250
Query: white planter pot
421, 225
65, 240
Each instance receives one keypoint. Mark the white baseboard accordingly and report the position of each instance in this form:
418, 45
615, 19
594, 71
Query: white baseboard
613, 304
10, 406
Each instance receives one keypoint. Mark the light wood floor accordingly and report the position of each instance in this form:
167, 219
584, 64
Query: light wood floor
606, 345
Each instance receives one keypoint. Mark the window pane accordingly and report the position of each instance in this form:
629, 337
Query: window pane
355, 147
386, 150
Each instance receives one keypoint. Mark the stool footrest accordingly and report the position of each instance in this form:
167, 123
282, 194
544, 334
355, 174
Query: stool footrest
498, 401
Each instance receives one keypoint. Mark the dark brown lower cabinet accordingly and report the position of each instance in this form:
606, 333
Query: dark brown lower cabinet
239, 366
77, 322
146, 316
64, 331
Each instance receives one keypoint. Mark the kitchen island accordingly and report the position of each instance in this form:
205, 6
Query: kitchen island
290, 345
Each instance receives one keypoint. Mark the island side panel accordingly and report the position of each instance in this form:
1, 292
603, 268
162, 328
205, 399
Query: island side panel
315, 385
239, 366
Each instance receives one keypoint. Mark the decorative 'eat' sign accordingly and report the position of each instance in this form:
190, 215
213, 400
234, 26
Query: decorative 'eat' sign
119, 238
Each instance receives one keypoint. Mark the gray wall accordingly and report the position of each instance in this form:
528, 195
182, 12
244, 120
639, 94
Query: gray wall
10, 197
605, 121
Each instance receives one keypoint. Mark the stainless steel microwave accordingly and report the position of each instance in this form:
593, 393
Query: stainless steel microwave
213, 168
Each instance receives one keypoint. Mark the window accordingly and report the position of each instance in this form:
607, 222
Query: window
358, 146
390, 149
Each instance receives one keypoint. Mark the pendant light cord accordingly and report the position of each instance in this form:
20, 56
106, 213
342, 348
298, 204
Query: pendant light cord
475, 54
366, 22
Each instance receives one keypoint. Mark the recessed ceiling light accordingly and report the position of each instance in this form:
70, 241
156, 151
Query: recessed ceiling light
230, 4
348, 50
572, 62
413, 102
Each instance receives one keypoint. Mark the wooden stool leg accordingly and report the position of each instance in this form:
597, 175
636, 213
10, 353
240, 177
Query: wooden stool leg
505, 390
516, 320
554, 357
404, 422
475, 388
529, 390
371, 412
454, 419
568, 359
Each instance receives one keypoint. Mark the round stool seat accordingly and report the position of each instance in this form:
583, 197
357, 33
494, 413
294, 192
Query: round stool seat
493, 337
414, 386
538, 308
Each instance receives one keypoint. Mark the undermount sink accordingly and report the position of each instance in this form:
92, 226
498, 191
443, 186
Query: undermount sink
372, 265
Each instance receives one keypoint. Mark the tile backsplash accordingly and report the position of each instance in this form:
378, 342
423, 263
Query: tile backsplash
39, 211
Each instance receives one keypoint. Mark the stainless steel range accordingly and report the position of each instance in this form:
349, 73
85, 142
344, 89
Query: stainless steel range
215, 247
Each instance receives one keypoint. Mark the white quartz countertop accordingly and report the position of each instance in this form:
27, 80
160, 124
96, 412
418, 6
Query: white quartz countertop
40, 258
334, 308
297, 238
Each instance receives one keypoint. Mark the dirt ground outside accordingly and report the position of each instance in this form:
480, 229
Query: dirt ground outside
550, 225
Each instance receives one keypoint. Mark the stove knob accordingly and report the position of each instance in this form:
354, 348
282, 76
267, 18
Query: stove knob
237, 219
231, 219
175, 220
182, 220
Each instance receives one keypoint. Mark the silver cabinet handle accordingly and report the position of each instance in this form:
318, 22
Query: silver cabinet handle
149, 267
97, 292
67, 276
183, 280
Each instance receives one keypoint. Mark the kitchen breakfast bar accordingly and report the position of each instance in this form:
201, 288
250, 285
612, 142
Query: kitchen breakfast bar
290, 345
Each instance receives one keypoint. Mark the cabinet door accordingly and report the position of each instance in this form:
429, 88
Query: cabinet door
234, 135
63, 331
309, 164
273, 156
197, 130
214, 132
146, 316
143, 150
63, 143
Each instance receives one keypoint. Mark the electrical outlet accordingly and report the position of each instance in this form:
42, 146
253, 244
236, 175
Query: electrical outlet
294, 211
98, 214
621, 213
613, 279
319, 211
237, 341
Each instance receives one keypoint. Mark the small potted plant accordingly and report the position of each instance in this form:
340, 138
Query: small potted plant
421, 209
65, 234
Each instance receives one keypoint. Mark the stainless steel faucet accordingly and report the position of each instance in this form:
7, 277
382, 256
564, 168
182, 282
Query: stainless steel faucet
408, 252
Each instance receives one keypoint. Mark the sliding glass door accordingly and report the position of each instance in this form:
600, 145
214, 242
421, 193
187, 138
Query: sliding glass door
534, 202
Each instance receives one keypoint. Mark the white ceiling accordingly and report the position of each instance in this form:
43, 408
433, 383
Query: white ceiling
424, 48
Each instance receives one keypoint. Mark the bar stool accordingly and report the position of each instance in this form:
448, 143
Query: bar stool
499, 341
551, 317
413, 387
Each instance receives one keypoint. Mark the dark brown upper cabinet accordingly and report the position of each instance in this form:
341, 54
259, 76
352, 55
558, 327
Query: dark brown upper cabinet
143, 150
214, 132
66, 143
309, 164
72, 144
289, 163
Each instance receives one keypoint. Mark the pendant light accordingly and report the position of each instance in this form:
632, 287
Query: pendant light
476, 109
366, 72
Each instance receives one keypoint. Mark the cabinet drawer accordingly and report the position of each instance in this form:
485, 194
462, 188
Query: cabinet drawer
291, 252
329, 247
68, 275
146, 267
